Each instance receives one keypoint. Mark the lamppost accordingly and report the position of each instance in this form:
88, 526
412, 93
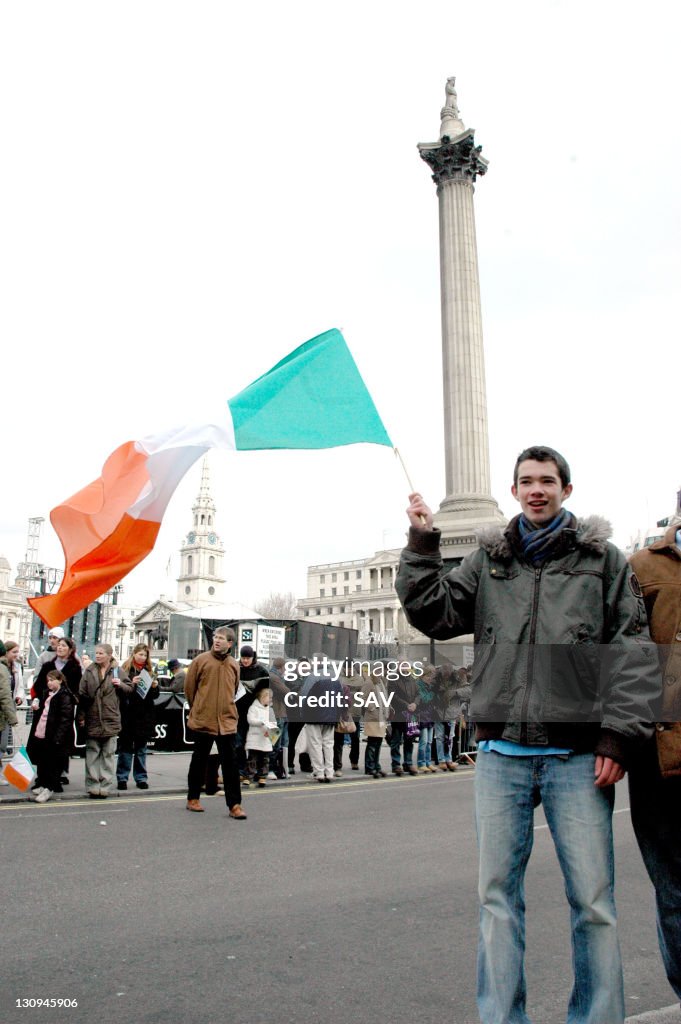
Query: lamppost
122, 626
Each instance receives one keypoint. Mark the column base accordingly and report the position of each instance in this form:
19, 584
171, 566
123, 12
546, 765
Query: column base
460, 518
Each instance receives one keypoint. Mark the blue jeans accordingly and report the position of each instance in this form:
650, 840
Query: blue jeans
655, 803
444, 750
136, 761
579, 817
397, 738
425, 744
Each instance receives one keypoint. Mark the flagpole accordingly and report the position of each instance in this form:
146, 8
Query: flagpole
412, 489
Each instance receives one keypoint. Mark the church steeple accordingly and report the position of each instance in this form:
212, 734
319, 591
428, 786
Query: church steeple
201, 578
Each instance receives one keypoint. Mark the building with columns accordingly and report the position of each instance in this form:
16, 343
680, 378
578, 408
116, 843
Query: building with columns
15, 615
359, 594
201, 581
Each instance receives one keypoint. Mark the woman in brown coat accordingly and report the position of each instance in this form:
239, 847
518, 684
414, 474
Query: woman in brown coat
99, 710
375, 698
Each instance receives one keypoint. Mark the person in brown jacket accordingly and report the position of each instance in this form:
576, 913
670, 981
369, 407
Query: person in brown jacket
655, 777
99, 713
210, 686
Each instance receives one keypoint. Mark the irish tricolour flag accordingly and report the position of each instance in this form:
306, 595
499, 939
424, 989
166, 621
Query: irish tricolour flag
19, 771
314, 398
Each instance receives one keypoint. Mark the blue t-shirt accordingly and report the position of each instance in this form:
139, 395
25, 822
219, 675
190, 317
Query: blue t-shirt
520, 750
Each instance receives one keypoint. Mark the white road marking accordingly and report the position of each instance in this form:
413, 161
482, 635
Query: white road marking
620, 810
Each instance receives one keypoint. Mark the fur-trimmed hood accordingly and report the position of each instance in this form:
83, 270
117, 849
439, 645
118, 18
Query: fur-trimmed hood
591, 533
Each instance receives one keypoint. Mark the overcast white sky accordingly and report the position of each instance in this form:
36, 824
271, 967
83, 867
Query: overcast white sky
191, 190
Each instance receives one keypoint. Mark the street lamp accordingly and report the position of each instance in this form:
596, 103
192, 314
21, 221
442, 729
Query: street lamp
122, 626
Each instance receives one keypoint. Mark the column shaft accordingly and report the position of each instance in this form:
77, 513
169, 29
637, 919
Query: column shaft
465, 404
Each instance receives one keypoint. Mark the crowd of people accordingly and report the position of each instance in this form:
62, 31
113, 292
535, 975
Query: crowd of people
100, 707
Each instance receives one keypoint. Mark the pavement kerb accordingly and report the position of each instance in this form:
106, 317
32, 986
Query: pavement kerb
666, 1015
300, 782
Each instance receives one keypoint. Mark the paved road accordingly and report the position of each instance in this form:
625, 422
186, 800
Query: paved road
338, 903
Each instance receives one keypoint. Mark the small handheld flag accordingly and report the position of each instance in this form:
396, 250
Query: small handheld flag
19, 772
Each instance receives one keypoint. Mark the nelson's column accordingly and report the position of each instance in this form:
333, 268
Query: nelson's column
456, 163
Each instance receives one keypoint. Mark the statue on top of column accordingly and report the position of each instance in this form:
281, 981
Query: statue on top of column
451, 97
451, 124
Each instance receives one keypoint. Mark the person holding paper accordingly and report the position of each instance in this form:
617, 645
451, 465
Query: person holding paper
137, 719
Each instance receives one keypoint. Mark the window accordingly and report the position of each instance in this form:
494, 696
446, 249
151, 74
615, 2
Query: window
322, 592
346, 590
211, 591
329, 611
210, 520
358, 587
322, 578
9, 622
334, 577
211, 568
333, 591
203, 520
358, 574
346, 575
341, 623
190, 565
187, 590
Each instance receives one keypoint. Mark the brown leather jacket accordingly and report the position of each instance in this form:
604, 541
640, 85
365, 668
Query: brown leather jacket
210, 686
658, 571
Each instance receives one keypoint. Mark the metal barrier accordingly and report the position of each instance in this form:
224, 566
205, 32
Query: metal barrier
468, 748
17, 735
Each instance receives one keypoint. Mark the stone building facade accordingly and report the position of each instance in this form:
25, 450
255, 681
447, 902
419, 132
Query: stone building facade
359, 594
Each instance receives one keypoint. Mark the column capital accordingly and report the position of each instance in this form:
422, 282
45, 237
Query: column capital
456, 159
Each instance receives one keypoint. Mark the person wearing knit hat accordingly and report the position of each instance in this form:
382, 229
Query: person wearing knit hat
250, 671
179, 675
655, 777
55, 634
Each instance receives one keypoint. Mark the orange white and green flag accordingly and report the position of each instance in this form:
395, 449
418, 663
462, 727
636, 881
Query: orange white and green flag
19, 772
313, 398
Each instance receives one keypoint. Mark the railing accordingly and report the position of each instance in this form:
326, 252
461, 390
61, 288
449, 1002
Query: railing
17, 735
468, 748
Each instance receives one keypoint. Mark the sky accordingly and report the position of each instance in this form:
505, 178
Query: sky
189, 191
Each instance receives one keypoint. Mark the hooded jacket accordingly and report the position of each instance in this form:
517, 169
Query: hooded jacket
658, 571
563, 655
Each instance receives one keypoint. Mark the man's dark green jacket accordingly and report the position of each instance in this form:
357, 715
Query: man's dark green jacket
563, 655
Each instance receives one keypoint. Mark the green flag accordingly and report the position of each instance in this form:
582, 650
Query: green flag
313, 398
